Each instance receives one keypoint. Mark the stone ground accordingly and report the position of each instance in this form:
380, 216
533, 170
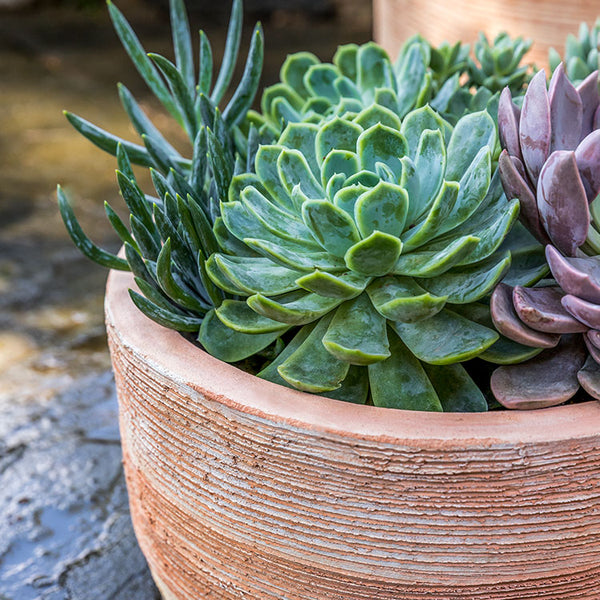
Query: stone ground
65, 531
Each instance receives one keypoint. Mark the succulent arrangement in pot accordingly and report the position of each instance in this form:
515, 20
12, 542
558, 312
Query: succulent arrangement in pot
375, 235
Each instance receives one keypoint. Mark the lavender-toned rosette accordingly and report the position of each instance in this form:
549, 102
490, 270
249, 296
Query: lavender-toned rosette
551, 163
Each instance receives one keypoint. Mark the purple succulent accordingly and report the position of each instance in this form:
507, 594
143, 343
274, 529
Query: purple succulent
551, 162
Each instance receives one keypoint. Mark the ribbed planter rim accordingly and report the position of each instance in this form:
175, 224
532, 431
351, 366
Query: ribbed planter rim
171, 354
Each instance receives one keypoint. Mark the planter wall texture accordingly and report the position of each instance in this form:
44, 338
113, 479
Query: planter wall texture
546, 21
242, 489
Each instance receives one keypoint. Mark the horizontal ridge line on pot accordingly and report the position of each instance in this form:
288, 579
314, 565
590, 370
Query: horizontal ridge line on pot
170, 349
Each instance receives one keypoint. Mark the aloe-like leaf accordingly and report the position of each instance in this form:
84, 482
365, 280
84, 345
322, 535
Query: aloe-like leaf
541, 309
508, 124
577, 276
221, 165
535, 128
402, 299
294, 170
546, 380
228, 345
375, 255
135, 200
585, 312
562, 202
455, 389
320, 81
297, 311
147, 243
587, 156
255, 275
166, 318
158, 297
140, 268
141, 61
237, 315
411, 77
246, 91
83, 243
331, 226
119, 226
381, 144
373, 68
589, 377
232, 48
471, 133
382, 208
205, 68
508, 323
343, 286
182, 41
445, 338
294, 69
566, 112
311, 367
358, 333
428, 263
401, 382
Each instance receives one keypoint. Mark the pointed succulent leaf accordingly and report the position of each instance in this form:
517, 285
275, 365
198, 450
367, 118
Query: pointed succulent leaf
375, 255
445, 338
535, 128
542, 310
381, 144
590, 98
546, 380
562, 202
166, 318
237, 315
566, 112
357, 333
587, 156
382, 208
455, 388
298, 311
343, 286
312, 368
577, 276
402, 299
401, 382
205, 68
508, 124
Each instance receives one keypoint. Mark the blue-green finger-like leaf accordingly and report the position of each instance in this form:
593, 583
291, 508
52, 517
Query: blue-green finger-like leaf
374, 256
119, 226
158, 297
401, 382
357, 333
469, 283
232, 48
108, 142
236, 314
135, 200
319, 80
411, 78
83, 243
344, 286
166, 318
299, 311
302, 137
402, 299
347, 197
332, 227
374, 70
256, 275
301, 261
311, 368
141, 61
205, 69
434, 220
182, 42
382, 208
140, 268
246, 91
221, 165
147, 242
417, 121
431, 263
472, 132
445, 338
374, 114
338, 162
430, 164
124, 164
337, 134
381, 144
294, 69
160, 159
294, 170
229, 345
455, 388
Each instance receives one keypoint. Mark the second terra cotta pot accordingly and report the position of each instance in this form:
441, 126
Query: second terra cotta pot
242, 489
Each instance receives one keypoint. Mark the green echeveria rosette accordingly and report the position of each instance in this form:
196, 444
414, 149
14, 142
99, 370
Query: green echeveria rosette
368, 244
581, 53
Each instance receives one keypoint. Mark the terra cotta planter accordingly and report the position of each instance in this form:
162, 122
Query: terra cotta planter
546, 21
243, 489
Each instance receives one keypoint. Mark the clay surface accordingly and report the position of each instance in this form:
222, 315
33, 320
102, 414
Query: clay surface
243, 489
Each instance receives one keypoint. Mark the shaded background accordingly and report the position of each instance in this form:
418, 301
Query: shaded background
64, 525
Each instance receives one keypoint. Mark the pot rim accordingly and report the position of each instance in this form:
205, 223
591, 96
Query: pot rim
168, 352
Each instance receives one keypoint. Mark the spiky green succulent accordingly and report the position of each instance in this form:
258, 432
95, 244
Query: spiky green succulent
499, 63
581, 53
366, 237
